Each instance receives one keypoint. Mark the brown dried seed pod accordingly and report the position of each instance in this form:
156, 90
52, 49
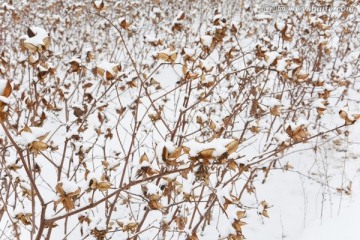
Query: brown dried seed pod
176, 153
103, 186
231, 147
207, 153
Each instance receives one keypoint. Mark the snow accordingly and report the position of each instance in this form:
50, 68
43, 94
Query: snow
226, 230
281, 137
281, 64
319, 103
280, 25
271, 102
207, 65
206, 40
201, 116
340, 226
113, 163
270, 57
98, 223
152, 189
38, 131
263, 16
69, 186
98, 3
160, 146
187, 186
75, 59
151, 38
7, 6
3, 84
108, 67
28, 137
38, 39
223, 193
329, 87
25, 210
218, 145
4, 100
42, 69
293, 66
190, 51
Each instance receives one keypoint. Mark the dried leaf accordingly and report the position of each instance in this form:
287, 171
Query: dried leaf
131, 227
173, 57
155, 205
32, 48
181, 222
231, 147
343, 114
163, 56
144, 158
103, 186
193, 236
24, 218
264, 204
186, 149
42, 138
232, 165
207, 153
275, 111
212, 125
265, 213
176, 153
356, 116
124, 24
25, 129
7, 91
47, 43
288, 166
237, 224
93, 183
240, 214
75, 193
40, 146
109, 75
